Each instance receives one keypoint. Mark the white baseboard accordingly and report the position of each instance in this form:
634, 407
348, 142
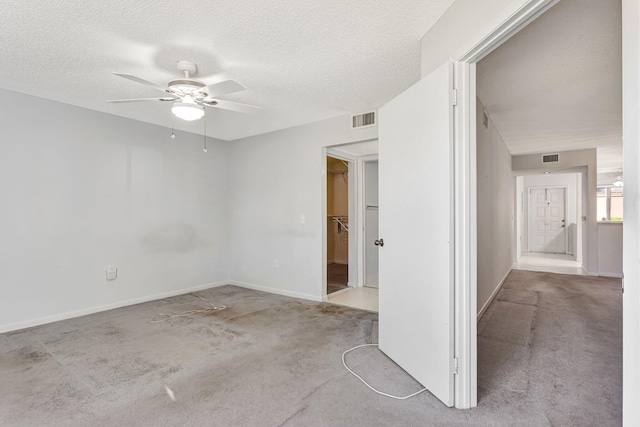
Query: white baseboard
494, 294
277, 291
615, 275
83, 312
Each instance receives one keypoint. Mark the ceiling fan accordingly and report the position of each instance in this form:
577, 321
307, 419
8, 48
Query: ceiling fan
190, 96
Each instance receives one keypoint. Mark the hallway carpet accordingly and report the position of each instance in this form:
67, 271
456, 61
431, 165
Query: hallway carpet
549, 354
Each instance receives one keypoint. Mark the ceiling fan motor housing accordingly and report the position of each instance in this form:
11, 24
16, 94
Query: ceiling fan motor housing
185, 86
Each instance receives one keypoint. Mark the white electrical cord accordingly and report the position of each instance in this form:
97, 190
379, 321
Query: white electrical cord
162, 317
367, 384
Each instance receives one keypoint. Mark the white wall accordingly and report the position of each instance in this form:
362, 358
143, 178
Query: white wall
82, 190
496, 220
267, 204
610, 249
631, 131
464, 24
579, 161
570, 182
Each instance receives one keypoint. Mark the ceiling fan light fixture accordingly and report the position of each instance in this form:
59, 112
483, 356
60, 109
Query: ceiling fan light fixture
187, 111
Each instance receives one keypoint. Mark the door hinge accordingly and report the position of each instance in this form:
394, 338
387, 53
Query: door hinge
454, 97
455, 366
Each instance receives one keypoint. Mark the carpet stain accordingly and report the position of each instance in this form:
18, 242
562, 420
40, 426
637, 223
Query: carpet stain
24, 358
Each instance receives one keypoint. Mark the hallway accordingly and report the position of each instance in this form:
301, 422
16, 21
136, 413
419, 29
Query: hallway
551, 344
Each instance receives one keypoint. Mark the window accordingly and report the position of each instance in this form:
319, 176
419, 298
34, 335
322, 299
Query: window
610, 201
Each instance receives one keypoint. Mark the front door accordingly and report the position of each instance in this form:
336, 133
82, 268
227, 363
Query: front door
547, 226
416, 219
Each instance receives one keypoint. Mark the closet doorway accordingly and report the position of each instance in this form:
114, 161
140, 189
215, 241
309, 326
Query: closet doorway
337, 224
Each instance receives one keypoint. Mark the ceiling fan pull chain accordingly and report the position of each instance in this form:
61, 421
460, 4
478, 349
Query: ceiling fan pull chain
205, 134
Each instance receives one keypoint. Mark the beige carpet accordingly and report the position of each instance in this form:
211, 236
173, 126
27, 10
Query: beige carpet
549, 354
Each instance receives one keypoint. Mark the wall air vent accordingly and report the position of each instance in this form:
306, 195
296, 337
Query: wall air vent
363, 120
550, 158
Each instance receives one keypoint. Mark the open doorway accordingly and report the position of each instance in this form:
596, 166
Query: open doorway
538, 142
351, 228
337, 225
488, 32
548, 223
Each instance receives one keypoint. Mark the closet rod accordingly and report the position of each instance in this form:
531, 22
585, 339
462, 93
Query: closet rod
345, 227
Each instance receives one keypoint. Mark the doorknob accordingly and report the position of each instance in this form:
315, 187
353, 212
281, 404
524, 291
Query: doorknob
379, 242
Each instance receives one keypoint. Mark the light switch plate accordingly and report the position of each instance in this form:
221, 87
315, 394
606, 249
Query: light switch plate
112, 273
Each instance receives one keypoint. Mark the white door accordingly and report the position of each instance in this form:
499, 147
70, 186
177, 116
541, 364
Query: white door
415, 194
371, 224
547, 231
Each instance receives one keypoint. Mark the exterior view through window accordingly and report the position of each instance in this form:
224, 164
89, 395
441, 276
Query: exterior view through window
610, 201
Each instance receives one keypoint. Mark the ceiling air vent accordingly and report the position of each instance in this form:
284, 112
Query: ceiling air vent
550, 158
363, 120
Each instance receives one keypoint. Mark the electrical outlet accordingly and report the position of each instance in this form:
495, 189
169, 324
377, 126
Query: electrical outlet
276, 264
112, 273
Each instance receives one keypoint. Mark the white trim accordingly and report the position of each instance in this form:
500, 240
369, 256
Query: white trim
278, 291
340, 155
83, 312
323, 225
615, 275
494, 294
465, 236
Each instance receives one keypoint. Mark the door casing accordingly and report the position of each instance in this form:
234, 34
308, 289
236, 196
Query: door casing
512, 19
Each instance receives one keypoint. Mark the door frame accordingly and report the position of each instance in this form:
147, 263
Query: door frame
512, 19
566, 209
362, 264
355, 274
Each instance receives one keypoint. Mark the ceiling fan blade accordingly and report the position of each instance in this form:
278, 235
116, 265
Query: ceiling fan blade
141, 81
117, 101
224, 87
230, 105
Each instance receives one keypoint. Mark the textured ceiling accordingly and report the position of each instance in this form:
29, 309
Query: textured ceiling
557, 84
301, 60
